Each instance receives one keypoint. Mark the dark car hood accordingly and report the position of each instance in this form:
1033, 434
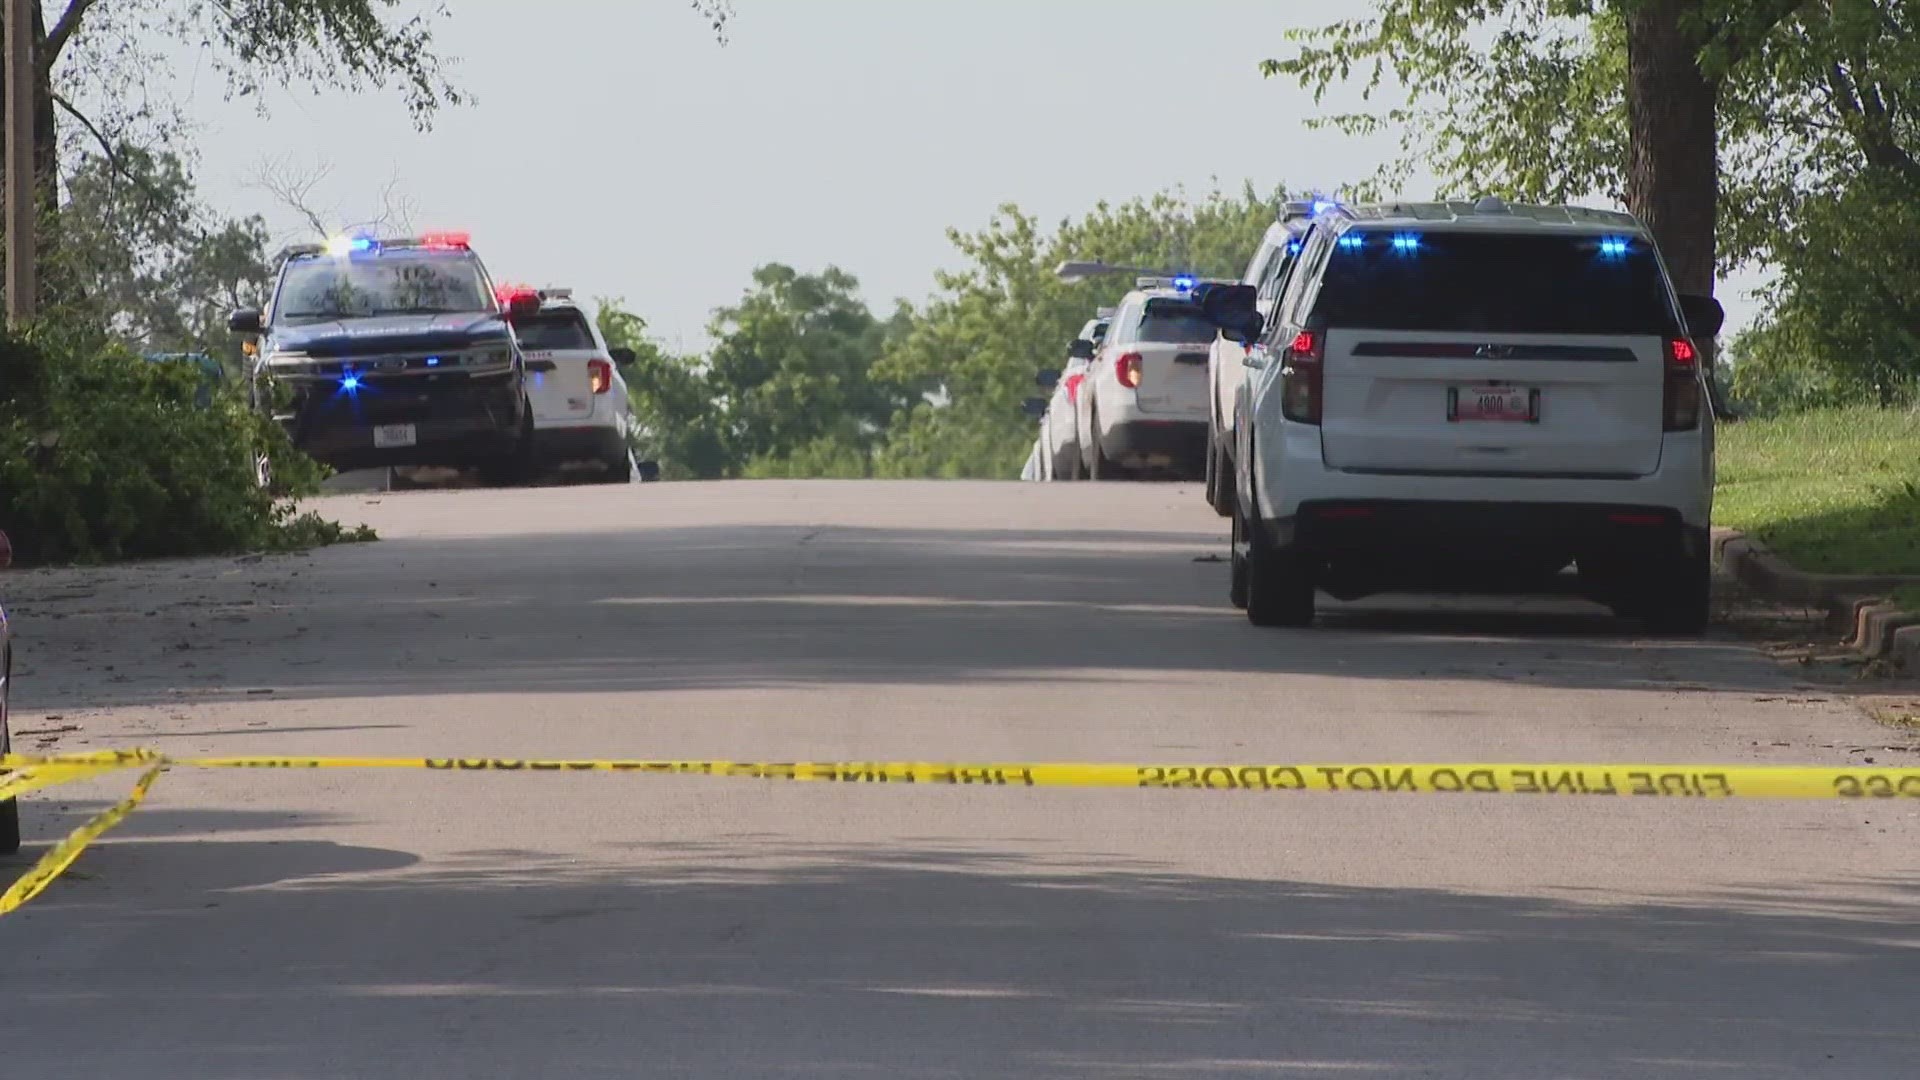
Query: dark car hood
390, 333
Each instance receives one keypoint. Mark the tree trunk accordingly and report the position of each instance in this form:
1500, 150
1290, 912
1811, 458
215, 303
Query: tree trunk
1673, 139
46, 156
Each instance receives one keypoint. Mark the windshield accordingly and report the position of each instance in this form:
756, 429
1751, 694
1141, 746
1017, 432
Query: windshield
554, 331
1175, 322
1498, 282
410, 283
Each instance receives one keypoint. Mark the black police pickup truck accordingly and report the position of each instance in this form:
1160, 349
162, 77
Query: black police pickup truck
393, 352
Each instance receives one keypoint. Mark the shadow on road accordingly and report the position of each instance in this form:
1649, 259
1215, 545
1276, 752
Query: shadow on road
769, 605
748, 958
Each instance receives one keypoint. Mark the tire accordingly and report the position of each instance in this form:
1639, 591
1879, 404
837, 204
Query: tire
1237, 568
10, 809
1220, 484
515, 465
1279, 590
1683, 604
620, 472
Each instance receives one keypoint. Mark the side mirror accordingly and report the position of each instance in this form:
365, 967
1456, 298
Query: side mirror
1081, 349
1244, 327
622, 356
522, 305
244, 321
1047, 379
1703, 314
649, 471
1034, 407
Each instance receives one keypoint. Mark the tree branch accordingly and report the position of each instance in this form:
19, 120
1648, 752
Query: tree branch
114, 162
1741, 34
62, 32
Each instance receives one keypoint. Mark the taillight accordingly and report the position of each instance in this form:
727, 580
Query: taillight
1126, 367
1073, 387
1680, 407
1300, 381
600, 375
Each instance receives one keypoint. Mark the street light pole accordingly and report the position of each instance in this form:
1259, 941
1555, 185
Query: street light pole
19, 220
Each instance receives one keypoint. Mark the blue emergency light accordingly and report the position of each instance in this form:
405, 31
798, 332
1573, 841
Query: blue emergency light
1183, 283
1613, 247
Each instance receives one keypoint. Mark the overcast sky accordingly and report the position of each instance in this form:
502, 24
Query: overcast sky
615, 146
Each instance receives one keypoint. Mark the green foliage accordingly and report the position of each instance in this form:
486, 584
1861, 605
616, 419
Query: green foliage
1844, 326
256, 44
1797, 84
672, 407
140, 254
1833, 491
792, 369
975, 348
104, 455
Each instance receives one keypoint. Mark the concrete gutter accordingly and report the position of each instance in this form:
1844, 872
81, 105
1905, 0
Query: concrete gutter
1855, 604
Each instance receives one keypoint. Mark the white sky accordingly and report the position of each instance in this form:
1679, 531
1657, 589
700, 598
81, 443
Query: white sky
614, 146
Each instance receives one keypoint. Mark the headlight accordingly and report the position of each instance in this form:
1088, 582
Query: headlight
490, 358
288, 359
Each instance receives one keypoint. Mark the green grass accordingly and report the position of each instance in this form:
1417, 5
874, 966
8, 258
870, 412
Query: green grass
1832, 492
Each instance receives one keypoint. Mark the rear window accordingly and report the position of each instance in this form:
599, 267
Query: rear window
554, 330
1175, 322
1496, 283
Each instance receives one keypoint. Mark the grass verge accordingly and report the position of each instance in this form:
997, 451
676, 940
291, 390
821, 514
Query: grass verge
1834, 492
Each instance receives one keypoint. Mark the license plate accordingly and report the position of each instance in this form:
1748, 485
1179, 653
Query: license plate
1515, 404
391, 436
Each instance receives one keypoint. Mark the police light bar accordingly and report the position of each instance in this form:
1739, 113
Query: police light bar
553, 293
1104, 314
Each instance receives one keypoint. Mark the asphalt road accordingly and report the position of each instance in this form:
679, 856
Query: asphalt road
313, 925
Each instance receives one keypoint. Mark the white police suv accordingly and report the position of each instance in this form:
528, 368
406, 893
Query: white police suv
1142, 406
1060, 424
581, 412
1266, 274
1474, 396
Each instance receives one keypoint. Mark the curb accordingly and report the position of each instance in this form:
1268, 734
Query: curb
1855, 604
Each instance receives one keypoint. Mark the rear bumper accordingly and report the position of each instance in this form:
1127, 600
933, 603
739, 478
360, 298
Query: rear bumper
1164, 441
454, 427
580, 442
1414, 542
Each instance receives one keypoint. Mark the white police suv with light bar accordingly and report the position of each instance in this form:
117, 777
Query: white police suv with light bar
1059, 425
1266, 274
1142, 407
581, 412
1476, 396
393, 352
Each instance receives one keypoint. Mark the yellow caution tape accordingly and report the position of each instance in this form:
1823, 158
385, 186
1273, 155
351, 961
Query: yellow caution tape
55, 862
23, 773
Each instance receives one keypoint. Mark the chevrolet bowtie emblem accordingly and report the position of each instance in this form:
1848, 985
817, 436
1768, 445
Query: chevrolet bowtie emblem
1493, 352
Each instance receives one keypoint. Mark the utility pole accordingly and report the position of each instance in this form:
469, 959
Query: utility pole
20, 219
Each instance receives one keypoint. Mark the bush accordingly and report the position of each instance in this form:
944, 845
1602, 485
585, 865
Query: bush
1844, 324
105, 455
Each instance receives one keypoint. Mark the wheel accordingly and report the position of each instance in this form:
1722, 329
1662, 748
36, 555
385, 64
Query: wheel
1237, 567
1279, 589
515, 465
10, 809
1681, 600
1220, 481
618, 472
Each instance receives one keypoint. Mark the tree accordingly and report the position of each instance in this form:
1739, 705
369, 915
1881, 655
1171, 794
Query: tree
673, 404
144, 259
1636, 100
793, 369
973, 351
